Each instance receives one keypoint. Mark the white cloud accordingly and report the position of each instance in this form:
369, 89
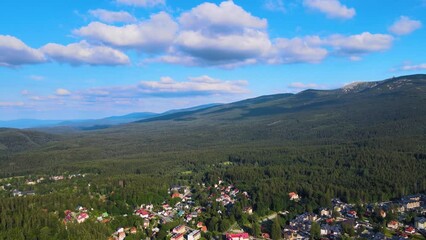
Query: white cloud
153, 35
142, 3
404, 25
62, 92
218, 35
25, 92
111, 16
275, 5
332, 8
212, 18
414, 67
223, 49
84, 53
13, 52
359, 44
203, 85
297, 50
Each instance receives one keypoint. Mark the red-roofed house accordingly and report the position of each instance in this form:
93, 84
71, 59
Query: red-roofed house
237, 236
293, 196
142, 213
393, 225
82, 217
352, 213
410, 230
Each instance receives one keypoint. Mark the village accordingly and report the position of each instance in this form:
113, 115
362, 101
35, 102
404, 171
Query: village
181, 217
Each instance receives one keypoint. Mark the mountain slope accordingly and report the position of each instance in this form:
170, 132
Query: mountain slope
389, 114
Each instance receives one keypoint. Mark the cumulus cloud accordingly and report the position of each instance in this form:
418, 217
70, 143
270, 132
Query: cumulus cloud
62, 92
223, 49
14, 52
404, 25
203, 85
297, 50
153, 35
414, 67
332, 8
111, 16
84, 53
359, 44
142, 3
212, 18
218, 35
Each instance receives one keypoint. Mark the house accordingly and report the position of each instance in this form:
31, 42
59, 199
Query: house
142, 213
293, 196
290, 235
200, 224
410, 204
133, 230
82, 217
145, 223
393, 225
121, 236
178, 236
176, 195
330, 230
410, 230
237, 236
195, 235
179, 229
420, 223
248, 210
17, 193
266, 236
352, 214
325, 212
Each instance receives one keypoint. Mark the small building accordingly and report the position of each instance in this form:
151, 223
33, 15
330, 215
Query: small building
178, 236
142, 213
410, 230
179, 229
237, 236
325, 212
352, 214
393, 225
195, 235
420, 223
82, 217
248, 210
293, 196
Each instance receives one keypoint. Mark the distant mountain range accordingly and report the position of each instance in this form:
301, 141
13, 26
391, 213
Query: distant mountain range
92, 124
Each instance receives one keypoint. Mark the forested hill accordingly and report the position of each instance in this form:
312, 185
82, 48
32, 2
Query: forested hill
379, 94
367, 137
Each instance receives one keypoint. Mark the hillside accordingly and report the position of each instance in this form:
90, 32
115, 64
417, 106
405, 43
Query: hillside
13, 140
330, 139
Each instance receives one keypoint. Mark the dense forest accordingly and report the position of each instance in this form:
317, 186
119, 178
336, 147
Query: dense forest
365, 143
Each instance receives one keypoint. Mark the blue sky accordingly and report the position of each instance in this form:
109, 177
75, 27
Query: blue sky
90, 59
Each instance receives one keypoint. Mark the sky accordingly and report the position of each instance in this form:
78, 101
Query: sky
84, 59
